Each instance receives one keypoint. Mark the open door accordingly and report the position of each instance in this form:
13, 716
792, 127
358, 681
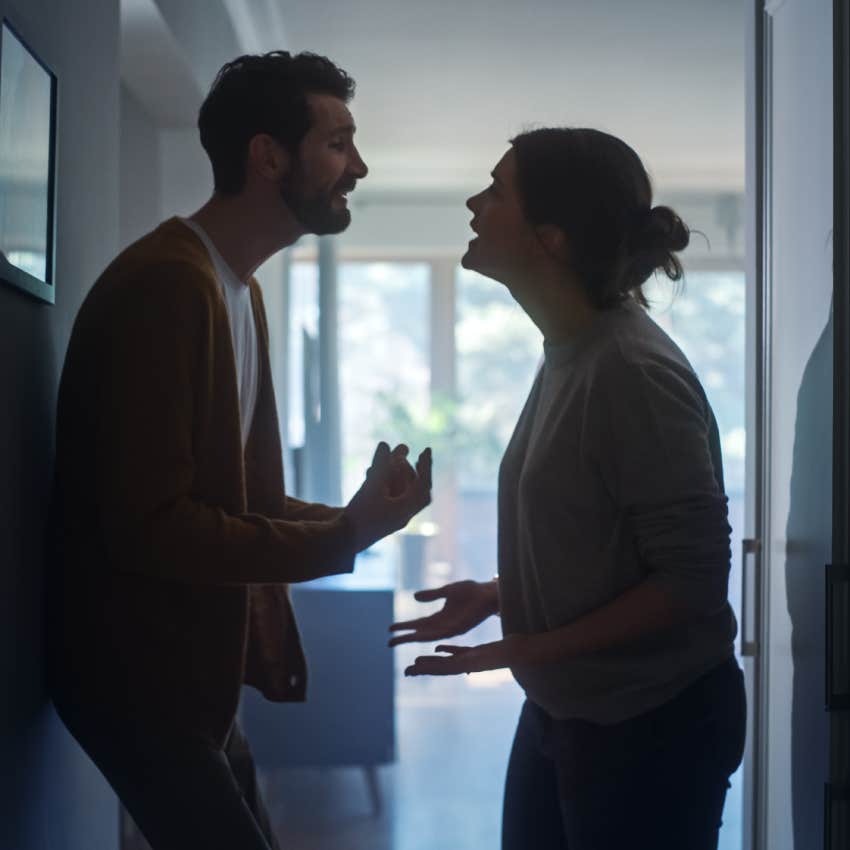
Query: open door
792, 346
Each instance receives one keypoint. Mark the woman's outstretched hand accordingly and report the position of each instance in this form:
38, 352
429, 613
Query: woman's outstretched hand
467, 603
511, 651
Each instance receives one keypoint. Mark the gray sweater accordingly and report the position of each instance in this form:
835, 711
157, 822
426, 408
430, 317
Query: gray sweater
613, 476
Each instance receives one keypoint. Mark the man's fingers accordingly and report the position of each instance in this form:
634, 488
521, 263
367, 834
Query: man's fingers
401, 450
453, 650
402, 467
424, 466
382, 454
423, 471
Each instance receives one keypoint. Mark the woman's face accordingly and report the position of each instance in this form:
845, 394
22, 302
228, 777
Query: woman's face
504, 241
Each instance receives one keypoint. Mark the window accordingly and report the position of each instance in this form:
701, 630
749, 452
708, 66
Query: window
387, 366
384, 364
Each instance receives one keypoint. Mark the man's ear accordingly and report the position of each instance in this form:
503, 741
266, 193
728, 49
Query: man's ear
268, 158
554, 242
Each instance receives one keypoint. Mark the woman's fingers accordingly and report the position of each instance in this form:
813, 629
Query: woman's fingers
419, 631
467, 659
446, 665
411, 624
453, 650
412, 637
434, 665
430, 594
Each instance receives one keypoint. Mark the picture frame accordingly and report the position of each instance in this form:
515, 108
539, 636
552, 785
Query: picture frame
28, 95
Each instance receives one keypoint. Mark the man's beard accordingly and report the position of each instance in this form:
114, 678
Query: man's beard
315, 213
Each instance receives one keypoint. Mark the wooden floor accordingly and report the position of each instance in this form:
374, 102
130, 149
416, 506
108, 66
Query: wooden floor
445, 790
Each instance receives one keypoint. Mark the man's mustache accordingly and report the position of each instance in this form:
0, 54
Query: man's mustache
345, 186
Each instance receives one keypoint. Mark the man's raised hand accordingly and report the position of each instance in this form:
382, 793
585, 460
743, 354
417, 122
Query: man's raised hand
391, 495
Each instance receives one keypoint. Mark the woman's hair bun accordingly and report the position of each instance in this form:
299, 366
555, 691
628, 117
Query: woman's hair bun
657, 235
665, 230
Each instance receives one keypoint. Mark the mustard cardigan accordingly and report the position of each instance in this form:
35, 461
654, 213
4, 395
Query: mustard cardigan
172, 550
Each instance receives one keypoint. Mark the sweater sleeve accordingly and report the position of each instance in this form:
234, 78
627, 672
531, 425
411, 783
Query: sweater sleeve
657, 451
154, 383
299, 510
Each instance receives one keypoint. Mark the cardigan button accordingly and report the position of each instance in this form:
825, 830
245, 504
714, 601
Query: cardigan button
293, 681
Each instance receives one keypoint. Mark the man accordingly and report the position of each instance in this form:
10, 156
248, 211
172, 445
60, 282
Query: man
175, 541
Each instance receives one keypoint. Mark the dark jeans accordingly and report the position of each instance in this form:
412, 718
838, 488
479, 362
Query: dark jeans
182, 792
655, 782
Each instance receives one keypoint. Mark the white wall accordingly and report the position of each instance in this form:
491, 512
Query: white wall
186, 175
141, 208
51, 796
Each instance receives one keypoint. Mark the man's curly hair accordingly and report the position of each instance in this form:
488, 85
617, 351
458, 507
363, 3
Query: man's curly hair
263, 94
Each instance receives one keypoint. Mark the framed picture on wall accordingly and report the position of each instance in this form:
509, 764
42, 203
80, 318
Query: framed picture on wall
27, 167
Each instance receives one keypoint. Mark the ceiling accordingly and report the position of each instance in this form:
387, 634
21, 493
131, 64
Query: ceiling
442, 85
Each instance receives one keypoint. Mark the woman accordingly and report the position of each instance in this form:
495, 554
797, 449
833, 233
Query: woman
613, 533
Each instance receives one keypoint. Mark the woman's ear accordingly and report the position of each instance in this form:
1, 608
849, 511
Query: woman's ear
268, 158
554, 242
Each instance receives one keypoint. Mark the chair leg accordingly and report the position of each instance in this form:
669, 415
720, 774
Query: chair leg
370, 772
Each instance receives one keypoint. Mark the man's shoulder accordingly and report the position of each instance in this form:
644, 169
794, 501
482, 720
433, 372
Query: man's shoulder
169, 256
165, 277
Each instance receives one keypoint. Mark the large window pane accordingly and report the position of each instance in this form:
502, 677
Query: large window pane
706, 319
384, 360
498, 351
303, 322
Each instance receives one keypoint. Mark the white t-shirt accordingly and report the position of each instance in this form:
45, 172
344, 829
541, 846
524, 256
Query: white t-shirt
243, 331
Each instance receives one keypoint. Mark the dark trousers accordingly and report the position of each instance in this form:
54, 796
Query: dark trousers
655, 782
182, 792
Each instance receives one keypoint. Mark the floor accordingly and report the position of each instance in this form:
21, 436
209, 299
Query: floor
444, 792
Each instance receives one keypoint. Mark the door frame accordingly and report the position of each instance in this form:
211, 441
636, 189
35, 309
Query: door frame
837, 786
755, 610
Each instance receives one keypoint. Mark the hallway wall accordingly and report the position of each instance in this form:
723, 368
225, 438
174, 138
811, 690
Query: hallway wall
51, 796
139, 170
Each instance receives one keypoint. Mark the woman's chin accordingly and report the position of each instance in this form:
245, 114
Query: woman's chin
468, 260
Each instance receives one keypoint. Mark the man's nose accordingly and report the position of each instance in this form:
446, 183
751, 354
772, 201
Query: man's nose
357, 167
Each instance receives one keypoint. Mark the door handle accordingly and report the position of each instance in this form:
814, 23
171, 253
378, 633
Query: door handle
750, 546
837, 616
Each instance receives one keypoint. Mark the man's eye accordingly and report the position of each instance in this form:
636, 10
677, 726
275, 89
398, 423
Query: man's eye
338, 146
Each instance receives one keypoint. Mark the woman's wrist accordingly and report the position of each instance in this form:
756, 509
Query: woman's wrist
492, 588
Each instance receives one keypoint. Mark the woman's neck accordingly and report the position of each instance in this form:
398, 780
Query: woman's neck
558, 306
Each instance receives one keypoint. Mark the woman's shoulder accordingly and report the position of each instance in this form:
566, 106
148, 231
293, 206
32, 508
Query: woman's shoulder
636, 356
